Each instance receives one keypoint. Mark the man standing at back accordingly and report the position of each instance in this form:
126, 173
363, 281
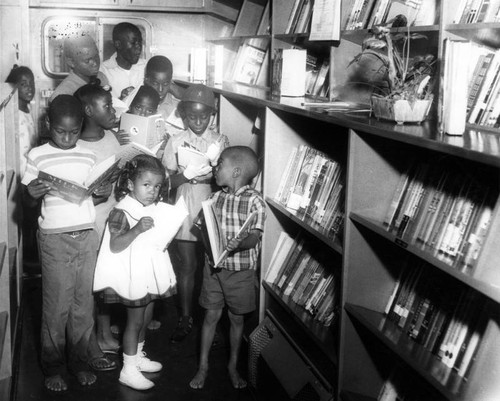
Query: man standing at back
125, 69
83, 60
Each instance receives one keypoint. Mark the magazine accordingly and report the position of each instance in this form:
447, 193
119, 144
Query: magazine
188, 155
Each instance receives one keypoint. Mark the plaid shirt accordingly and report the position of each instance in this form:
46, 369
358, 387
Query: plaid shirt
232, 211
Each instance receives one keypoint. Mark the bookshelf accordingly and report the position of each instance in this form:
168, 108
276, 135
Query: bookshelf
355, 357
10, 238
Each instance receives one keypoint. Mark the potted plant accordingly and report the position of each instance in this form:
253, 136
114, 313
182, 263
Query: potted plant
403, 90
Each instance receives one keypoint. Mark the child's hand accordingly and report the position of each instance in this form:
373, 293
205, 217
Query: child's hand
38, 188
123, 137
233, 243
104, 190
145, 224
126, 92
193, 171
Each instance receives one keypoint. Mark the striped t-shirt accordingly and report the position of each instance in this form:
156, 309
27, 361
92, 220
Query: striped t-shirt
59, 215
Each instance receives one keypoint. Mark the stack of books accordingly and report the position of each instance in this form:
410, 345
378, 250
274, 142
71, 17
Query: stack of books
313, 185
473, 11
299, 273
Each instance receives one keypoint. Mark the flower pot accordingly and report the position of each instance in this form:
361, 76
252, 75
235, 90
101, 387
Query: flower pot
400, 111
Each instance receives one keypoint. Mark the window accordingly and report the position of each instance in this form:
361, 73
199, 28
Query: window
56, 29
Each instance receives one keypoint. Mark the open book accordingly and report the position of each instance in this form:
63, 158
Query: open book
188, 155
147, 131
76, 193
167, 221
130, 150
216, 237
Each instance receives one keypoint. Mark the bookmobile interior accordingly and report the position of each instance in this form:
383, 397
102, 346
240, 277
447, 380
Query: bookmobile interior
399, 243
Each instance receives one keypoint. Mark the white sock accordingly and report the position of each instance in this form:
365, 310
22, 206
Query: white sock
140, 346
129, 361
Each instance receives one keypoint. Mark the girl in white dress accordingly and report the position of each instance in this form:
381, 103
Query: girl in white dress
132, 268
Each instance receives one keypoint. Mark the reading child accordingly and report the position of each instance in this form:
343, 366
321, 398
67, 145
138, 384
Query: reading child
130, 269
233, 284
99, 119
68, 249
194, 183
145, 102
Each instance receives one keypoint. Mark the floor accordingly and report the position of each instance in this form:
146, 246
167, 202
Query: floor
179, 361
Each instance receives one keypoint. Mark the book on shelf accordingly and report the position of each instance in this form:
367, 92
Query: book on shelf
214, 235
284, 245
474, 11
75, 193
294, 15
326, 20
248, 64
250, 17
408, 8
359, 16
289, 72
147, 131
264, 27
198, 65
304, 18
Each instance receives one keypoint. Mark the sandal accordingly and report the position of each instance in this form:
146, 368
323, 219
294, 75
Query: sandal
184, 327
102, 364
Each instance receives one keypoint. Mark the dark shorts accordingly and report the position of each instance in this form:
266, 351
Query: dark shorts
236, 289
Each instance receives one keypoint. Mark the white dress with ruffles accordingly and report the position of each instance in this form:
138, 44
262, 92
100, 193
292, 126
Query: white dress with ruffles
143, 267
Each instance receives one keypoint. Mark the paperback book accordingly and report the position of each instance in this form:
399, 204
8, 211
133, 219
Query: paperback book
147, 131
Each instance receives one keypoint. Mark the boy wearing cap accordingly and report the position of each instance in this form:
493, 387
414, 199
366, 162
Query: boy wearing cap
194, 183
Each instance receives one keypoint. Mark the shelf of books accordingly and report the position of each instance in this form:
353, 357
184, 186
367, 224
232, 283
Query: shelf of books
422, 269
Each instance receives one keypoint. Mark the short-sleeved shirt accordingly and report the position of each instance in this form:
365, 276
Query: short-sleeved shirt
120, 78
232, 211
72, 82
103, 148
57, 214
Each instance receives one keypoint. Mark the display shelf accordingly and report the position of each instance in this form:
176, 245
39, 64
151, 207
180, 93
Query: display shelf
485, 33
486, 288
321, 335
311, 227
429, 366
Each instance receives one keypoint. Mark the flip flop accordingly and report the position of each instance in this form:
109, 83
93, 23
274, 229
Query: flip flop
111, 365
113, 351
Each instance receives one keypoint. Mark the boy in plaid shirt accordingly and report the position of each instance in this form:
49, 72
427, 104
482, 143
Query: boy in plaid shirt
232, 283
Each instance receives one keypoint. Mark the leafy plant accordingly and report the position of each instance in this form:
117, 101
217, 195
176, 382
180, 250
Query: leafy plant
404, 77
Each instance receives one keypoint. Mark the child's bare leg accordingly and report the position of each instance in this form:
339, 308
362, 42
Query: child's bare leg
235, 336
105, 338
210, 320
133, 328
148, 316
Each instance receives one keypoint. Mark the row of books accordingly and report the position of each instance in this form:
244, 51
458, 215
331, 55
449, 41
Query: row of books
473, 11
449, 323
249, 62
483, 101
298, 272
313, 185
441, 208
364, 14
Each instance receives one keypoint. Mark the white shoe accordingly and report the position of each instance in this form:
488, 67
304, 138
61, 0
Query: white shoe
134, 378
144, 364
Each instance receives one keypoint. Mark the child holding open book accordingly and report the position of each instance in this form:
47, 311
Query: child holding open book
232, 282
68, 245
193, 181
133, 268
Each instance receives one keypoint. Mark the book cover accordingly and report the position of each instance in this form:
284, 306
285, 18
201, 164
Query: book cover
146, 131
130, 150
325, 22
248, 64
76, 193
216, 236
283, 247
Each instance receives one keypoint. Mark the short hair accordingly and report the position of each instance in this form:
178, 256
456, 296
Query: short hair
158, 64
72, 43
146, 91
87, 93
133, 169
63, 106
17, 72
245, 158
123, 27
